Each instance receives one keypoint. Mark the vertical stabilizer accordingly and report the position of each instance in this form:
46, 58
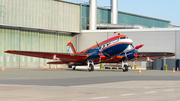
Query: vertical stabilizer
70, 48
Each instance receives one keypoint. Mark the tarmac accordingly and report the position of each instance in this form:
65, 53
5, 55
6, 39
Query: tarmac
81, 85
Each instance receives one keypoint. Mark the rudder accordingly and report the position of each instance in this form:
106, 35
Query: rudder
70, 48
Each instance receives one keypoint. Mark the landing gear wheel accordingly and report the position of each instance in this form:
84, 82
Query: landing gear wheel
91, 68
74, 67
69, 66
125, 68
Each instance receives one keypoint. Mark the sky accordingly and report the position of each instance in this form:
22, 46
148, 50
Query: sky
161, 9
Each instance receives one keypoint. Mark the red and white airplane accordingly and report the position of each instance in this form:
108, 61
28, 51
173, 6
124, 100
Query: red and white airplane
118, 49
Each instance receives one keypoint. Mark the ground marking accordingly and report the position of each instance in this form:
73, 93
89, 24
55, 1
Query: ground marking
151, 92
127, 94
100, 97
169, 90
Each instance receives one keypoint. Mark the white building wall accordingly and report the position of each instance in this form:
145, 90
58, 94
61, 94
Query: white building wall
177, 43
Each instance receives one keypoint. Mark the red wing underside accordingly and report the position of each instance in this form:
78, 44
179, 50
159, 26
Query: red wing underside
65, 57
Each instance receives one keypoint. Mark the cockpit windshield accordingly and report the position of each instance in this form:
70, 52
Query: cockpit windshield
123, 37
129, 47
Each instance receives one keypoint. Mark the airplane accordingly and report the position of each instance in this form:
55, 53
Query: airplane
117, 49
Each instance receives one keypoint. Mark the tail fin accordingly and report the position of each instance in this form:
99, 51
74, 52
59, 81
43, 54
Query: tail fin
70, 48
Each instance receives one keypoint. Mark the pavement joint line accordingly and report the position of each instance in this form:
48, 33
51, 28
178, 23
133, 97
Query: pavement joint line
151, 92
95, 98
126, 87
168, 89
127, 94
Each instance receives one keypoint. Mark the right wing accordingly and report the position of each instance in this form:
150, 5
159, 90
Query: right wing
66, 57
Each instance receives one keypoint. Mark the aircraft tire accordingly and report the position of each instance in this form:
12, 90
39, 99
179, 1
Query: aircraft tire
92, 67
69, 66
74, 67
125, 68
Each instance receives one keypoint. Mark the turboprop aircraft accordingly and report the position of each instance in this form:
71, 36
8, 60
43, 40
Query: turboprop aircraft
118, 49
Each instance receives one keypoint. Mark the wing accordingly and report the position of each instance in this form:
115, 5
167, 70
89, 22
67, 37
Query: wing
153, 55
67, 57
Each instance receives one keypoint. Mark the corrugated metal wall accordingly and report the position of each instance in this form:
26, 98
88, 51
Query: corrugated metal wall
14, 39
48, 14
9, 39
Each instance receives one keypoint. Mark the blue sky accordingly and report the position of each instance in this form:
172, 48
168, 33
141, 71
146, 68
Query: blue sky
161, 9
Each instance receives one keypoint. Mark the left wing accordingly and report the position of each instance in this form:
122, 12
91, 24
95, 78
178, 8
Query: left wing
153, 55
66, 57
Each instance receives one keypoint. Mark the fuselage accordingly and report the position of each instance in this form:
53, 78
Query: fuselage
110, 47
105, 50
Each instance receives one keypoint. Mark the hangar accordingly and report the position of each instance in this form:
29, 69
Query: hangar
48, 25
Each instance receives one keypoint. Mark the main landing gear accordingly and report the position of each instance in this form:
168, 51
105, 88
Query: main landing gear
125, 67
90, 66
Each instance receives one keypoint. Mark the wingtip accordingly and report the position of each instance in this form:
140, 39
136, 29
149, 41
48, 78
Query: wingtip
8, 51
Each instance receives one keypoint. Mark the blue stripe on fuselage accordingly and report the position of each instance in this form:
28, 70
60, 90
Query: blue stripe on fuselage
115, 49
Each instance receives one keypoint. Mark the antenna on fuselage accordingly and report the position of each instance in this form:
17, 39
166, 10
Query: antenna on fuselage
115, 33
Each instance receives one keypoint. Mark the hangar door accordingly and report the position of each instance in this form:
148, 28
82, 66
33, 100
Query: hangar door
29, 40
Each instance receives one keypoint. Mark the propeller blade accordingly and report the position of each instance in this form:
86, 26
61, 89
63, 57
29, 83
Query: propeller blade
97, 44
139, 46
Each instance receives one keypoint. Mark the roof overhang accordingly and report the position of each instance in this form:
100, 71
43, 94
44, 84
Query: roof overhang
131, 30
39, 29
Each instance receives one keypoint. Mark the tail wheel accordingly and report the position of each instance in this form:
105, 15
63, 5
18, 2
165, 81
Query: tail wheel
125, 68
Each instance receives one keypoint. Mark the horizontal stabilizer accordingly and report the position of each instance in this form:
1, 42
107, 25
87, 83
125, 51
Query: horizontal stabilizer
58, 62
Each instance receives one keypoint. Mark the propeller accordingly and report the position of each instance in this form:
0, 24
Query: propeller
136, 48
100, 51
139, 46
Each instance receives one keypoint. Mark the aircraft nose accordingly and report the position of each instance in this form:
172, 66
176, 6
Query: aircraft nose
129, 41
